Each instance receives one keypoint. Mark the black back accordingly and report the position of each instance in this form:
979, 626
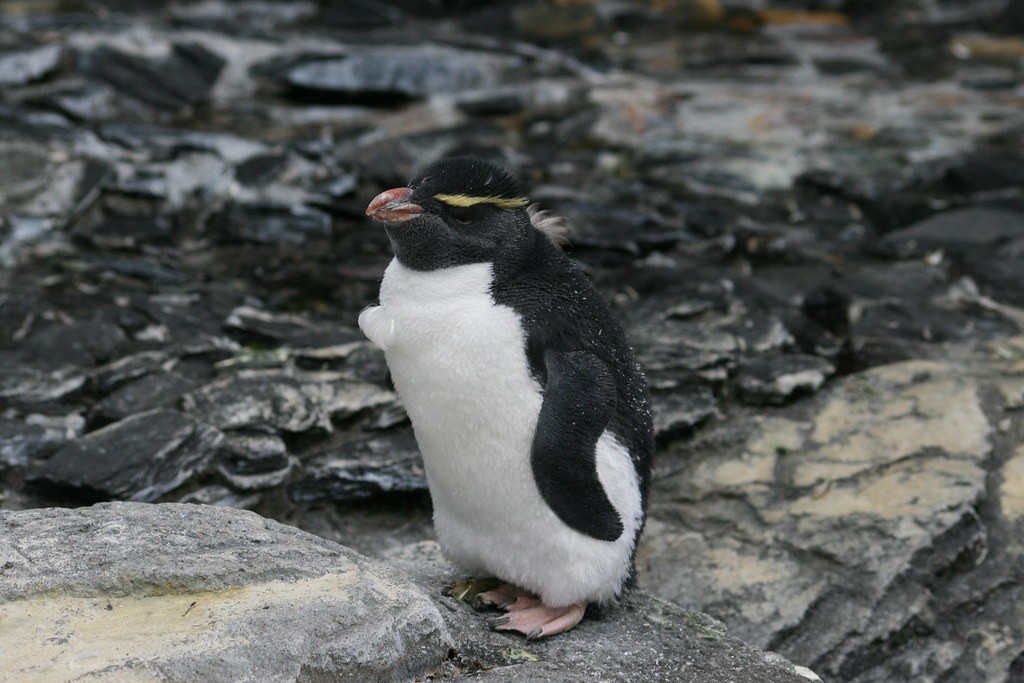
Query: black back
561, 311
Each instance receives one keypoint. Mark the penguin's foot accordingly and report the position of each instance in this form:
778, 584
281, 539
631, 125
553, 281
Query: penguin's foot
539, 620
506, 597
469, 590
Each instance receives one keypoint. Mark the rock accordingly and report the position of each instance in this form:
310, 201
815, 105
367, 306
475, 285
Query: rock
180, 80
778, 379
986, 172
681, 646
398, 72
269, 224
240, 597
276, 401
954, 232
77, 343
112, 375
90, 102
19, 67
22, 443
252, 461
156, 390
124, 232
22, 385
360, 469
825, 528
296, 332
141, 457
17, 315
678, 411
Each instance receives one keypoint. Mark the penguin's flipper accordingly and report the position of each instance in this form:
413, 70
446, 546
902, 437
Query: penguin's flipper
579, 400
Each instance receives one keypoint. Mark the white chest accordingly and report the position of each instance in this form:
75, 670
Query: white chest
458, 361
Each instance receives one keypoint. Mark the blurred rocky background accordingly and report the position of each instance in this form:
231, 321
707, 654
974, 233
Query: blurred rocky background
809, 215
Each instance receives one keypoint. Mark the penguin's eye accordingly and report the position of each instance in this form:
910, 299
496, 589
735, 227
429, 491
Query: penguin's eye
463, 215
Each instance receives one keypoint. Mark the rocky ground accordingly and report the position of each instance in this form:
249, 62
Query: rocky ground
809, 216
185, 592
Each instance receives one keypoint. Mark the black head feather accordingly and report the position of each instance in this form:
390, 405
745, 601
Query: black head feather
468, 176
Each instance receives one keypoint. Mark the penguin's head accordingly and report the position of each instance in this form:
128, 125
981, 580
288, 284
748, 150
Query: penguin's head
456, 211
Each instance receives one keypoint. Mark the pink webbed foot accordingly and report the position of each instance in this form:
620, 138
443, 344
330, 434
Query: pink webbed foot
539, 620
506, 597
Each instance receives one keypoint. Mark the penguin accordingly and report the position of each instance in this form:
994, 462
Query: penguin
527, 403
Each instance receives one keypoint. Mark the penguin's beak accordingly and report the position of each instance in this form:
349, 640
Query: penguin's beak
393, 206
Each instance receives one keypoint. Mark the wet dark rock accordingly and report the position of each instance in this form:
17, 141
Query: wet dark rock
22, 443
775, 380
677, 412
358, 14
164, 143
397, 72
182, 79
306, 337
999, 273
92, 102
828, 307
114, 374
338, 187
25, 386
987, 172
275, 401
124, 232
619, 227
23, 170
382, 464
260, 168
262, 401
760, 332
252, 461
891, 331
77, 343
954, 232
367, 363
156, 390
141, 457
17, 313
269, 224
18, 67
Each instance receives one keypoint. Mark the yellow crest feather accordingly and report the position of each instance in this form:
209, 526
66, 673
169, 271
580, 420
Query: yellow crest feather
467, 200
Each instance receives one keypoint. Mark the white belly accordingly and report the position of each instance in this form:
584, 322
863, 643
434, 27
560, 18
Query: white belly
459, 364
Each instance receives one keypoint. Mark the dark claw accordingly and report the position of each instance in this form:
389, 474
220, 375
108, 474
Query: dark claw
499, 621
535, 633
508, 603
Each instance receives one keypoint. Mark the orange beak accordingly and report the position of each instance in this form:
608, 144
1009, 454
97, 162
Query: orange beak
393, 206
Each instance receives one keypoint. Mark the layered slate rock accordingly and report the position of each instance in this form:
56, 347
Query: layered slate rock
869, 513
382, 464
141, 457
190, 592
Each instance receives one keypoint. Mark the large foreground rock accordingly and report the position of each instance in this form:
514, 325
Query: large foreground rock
186, 592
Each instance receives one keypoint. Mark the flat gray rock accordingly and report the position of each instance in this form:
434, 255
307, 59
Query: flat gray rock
189, 592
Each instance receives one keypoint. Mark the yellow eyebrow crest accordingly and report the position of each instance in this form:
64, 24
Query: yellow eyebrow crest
467, 200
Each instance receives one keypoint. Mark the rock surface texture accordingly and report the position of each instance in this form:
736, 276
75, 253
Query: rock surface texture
191, 592
809, 216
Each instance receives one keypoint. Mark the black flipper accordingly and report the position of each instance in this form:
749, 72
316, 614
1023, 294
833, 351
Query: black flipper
579, 401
